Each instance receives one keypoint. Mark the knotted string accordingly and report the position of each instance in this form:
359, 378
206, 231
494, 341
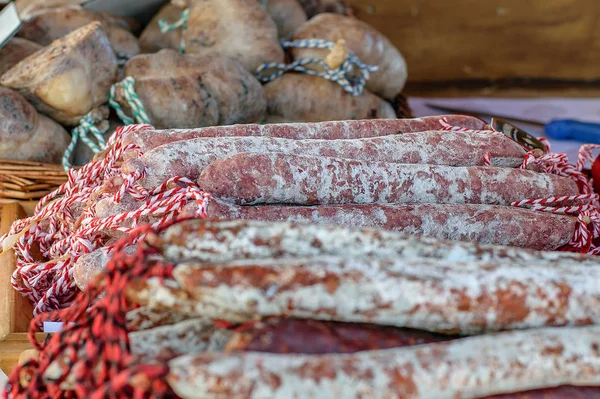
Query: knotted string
344, 75
87, 124
181, 23
126, 88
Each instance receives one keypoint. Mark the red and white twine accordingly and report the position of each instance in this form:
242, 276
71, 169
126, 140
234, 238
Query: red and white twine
552, 204
487, 159
588, 229
545, 142
585, 155
447, 126
558, 164
62, 237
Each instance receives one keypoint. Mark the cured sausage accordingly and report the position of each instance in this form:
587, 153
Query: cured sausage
26, 135
467, 368
15, 50
480, 224
371, 47
152, 39
271, 336
190, 157
314, 7
144, 318
167, 342
357, 129
225, 240
90, 264
322, 337
207, 240
461, 297
68, 78
185, 90
232, 28
564, 392
277, 178
319, 100
288, 15
48, 25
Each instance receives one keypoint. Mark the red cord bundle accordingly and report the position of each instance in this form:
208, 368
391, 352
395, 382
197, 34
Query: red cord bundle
95, 339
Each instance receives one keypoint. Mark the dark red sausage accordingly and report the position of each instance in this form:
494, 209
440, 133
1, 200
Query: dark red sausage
320, 337
566, 392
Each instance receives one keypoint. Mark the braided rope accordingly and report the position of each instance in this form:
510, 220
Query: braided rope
487, 159
343, 75
585, 155
446, 126
546, 143
63, 236
182, 24
87, 124
127, 89
594, 251
544, 204
583, 239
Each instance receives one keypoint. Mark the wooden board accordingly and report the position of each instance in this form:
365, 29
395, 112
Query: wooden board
15, 310
28, 206
12, 347
447, 42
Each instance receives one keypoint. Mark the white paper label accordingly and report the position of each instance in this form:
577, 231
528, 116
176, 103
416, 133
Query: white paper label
9, 23
52, 326
3, 380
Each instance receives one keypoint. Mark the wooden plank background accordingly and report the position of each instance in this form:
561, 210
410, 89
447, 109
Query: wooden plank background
15, 310
12, 347
479, 40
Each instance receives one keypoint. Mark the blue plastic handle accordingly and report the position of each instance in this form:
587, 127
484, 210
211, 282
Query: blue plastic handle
569, 129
